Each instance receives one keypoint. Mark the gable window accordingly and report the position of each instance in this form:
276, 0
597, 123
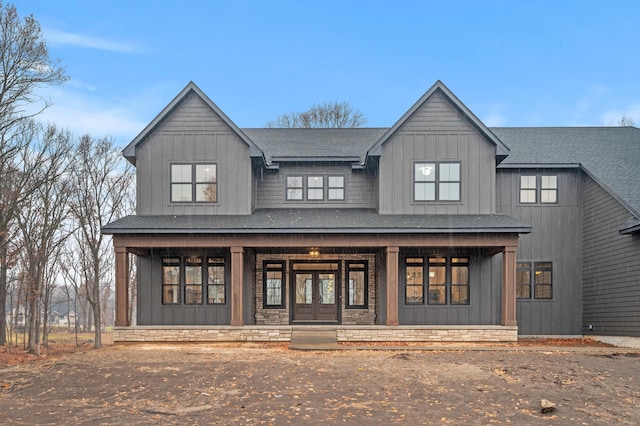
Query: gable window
537, 275
186, 277
357, 286
315, 188
447, 280
194, 182
436, 181
273, 285
538, 189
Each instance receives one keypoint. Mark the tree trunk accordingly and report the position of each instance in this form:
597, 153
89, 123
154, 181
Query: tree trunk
33, 313
97, 314
3, 288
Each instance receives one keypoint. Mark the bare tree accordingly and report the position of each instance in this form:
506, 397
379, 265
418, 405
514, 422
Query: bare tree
25, 66
101, 183
326, 115
41, 218
626, 122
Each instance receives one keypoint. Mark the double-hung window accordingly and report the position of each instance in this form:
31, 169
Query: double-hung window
436, 181
538, 189
194, 182
536, 275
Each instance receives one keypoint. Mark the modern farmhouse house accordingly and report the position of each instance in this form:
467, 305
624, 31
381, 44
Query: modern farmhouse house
437, 228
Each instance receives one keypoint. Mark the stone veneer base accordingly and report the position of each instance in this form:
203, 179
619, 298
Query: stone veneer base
258, 333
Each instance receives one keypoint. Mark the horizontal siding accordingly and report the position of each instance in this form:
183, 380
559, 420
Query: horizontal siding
557, 237
359, 187
611, 267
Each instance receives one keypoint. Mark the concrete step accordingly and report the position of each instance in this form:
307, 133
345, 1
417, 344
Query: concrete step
308, 337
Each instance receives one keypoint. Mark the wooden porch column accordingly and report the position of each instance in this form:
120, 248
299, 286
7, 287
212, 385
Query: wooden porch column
237, 268
122, 287
509, 286
392, 286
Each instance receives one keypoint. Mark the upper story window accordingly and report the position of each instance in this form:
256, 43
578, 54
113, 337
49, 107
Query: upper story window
538, 189
436, 181
194, 182
315, 188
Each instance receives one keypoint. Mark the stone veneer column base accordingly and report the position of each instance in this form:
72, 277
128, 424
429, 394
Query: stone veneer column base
470, 333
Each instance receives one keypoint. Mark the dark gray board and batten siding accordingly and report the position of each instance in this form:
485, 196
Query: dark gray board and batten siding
556, 237
611, 266
193, 133
437, 132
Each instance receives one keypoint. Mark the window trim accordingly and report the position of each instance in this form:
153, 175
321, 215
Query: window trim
419, 264
365, 269
265, 269
194, 184
436, 181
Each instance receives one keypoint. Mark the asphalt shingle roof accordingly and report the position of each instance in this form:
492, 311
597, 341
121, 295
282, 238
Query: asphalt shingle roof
315, 143
611, 155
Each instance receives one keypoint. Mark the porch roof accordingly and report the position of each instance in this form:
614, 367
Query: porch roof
316, 221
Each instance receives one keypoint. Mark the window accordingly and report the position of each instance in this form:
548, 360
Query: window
188, 274
542, 280
447, 280
193, 281
315, 188
294, 188
191, 182
414, 289
436, 181
523, 280
273, 288
336, 188
171, 281
357, 286
215, 281
538, 188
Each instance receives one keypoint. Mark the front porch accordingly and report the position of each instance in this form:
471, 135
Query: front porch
264, 333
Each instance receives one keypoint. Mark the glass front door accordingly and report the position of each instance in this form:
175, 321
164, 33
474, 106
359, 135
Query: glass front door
315, 296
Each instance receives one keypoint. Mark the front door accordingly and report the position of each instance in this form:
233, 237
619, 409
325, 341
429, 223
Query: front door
315, 296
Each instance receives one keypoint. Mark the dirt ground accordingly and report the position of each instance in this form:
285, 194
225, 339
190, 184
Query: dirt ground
271, 384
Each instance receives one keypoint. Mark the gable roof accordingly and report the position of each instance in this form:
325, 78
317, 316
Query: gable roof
610, 155
130, 150
501, 149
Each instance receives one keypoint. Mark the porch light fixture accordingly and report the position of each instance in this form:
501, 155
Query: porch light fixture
314, 252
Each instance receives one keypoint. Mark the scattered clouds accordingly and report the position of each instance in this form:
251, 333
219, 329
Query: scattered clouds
83, 112
56, 37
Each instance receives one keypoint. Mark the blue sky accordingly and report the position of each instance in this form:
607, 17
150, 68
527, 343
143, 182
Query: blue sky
513, 63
